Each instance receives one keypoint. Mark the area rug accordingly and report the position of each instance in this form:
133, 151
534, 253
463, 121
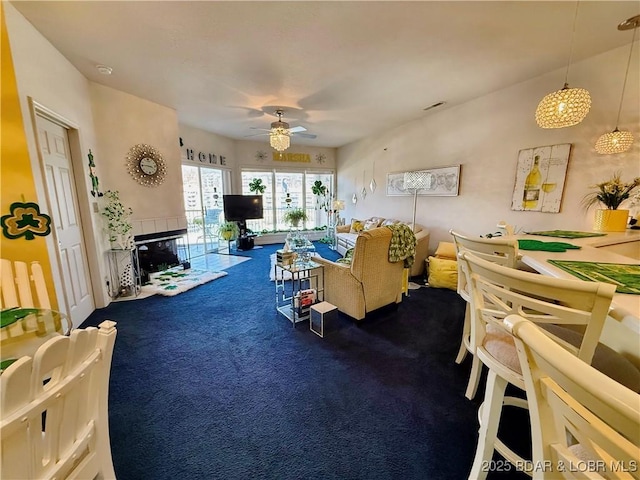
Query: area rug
176, 280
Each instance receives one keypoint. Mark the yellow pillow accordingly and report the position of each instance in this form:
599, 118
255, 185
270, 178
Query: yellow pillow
446, 250
356, 226
443, 273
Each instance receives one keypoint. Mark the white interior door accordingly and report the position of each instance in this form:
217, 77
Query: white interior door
54, 143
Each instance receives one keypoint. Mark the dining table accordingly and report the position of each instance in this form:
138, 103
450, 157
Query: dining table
591, 258
24, 330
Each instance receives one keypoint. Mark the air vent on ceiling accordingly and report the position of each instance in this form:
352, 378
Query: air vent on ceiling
435, 105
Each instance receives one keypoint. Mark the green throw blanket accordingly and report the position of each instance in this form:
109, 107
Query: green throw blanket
403, 244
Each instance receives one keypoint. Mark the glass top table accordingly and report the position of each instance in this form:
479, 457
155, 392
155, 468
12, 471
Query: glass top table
23, 330
299, 266
297, 291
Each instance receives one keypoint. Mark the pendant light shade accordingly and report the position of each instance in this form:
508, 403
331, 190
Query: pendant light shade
568, 106
614, 142
620, 141
564, 108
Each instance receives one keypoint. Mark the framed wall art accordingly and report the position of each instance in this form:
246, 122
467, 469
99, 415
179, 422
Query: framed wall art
442, 182
540, 176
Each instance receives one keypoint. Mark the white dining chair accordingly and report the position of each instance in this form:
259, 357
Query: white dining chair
502, 251
572, 312
583, 423
54, 409
22, 285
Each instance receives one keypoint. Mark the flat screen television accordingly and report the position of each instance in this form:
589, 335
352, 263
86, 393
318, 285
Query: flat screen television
238, 208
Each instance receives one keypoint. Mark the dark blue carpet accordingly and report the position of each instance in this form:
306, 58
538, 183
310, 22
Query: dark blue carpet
215, 384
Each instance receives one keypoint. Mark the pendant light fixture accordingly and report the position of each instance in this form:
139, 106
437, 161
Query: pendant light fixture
620, 141
568, 106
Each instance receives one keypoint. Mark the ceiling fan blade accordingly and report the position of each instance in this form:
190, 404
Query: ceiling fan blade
256, 134
297, 129
257, 128
305, 135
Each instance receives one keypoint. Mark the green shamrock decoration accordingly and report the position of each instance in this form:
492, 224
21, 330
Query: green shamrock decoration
25, 220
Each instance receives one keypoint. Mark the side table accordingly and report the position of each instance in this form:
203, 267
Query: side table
292, 281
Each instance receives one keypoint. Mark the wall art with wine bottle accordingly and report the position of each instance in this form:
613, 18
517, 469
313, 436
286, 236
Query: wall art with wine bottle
540, 176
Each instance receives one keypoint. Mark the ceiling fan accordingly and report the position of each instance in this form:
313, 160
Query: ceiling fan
280, 132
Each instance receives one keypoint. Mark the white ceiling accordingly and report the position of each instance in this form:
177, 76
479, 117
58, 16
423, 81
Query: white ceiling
343, 70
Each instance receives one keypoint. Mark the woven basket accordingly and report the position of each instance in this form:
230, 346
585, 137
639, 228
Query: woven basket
611, 220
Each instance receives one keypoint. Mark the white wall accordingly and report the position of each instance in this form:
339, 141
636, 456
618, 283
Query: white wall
484, 136
109, 122
123, 121
46, 76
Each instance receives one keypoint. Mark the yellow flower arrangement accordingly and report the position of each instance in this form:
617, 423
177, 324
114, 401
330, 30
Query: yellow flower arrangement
611, 193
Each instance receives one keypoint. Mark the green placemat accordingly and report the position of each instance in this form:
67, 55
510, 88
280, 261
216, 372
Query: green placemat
625, 277
12, 315
546, 246
4, 364
566, 234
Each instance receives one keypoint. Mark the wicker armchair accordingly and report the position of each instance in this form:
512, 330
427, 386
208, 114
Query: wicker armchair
370, 282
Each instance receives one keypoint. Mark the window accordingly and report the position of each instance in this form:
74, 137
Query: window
203, 189
287, 190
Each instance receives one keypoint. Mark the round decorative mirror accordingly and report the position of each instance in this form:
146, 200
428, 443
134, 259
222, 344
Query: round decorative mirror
145, 165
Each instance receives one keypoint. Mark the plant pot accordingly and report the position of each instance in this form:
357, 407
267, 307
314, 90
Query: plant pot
611, 220
121, 242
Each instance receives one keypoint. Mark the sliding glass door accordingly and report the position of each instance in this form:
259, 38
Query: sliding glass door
203, 189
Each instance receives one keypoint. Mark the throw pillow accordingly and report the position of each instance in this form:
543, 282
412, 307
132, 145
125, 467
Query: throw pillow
389, 221
443, 273
446, 250
370, 224
356, 226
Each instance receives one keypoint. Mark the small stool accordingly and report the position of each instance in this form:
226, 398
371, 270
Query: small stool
320, 313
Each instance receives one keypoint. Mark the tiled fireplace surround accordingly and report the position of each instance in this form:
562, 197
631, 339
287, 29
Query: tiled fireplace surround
157, 242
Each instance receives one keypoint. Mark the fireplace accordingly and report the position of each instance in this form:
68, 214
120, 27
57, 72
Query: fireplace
161, 250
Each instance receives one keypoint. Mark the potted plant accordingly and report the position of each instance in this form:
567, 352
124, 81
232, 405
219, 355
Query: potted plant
611, 194
256, 186
229, 231
118, 221
294, 216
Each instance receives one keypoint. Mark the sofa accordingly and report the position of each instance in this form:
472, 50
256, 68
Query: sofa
346, 236
370, 281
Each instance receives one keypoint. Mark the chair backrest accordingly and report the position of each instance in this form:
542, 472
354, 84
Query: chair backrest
584, 424
498, 291
502, 251
18, 284
54, 408
381, 280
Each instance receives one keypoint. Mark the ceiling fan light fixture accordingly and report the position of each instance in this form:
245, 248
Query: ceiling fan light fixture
279, 136
279, 139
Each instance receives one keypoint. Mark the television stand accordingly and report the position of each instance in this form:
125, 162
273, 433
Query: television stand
245, 242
